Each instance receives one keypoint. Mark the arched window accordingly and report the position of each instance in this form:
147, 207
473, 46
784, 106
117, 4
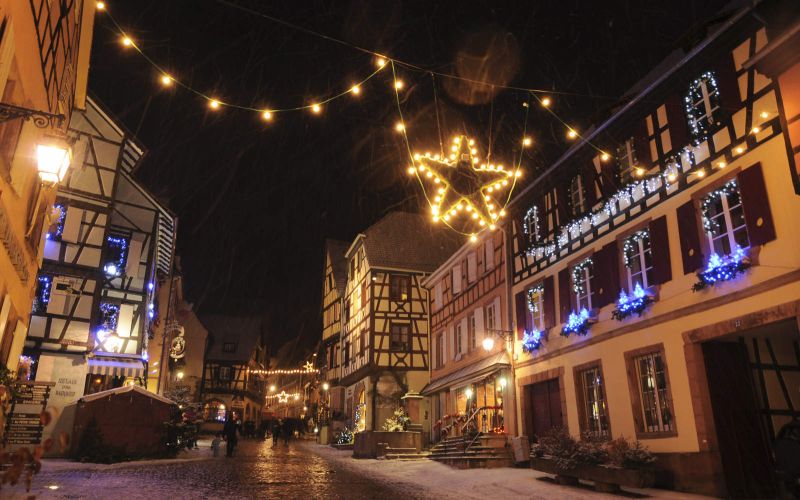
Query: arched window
214, 411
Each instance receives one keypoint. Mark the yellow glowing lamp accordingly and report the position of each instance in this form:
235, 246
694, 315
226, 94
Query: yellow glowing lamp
316, 109
127, 42
166, 80
100, 5
546, 102
355, 90
52, 160
213, 104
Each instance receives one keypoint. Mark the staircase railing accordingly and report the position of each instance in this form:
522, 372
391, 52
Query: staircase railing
483, 410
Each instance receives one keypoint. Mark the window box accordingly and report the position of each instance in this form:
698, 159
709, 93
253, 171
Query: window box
579, 322
635, 303
532, 340
606, 478
721, 269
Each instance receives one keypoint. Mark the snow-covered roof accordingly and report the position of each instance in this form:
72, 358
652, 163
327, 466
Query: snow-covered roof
122, 390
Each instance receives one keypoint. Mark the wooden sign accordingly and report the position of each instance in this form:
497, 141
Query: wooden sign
24, 424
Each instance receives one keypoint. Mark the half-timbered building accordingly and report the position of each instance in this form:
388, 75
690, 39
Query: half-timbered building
385, 339
471, 353
231, 382
655, 264
44, 66
94, 302
333, 288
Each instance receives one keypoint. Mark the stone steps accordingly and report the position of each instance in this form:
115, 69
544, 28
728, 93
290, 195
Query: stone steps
465, 452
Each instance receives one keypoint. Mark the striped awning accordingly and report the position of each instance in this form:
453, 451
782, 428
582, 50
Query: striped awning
120, 367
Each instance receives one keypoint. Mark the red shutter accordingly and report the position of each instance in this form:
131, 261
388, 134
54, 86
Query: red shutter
549, 302
659, 248
564, 294
676, 118
757, 214
589, 175
725, 73
690, 237
641, 144
606, 275
522, 313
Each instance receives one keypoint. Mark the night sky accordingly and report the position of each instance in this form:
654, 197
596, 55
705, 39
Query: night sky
256, 201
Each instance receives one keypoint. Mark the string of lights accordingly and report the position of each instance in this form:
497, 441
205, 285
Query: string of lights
308, 368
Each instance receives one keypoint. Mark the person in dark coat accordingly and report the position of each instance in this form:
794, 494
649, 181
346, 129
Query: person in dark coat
286, 431
231, 439
276, 431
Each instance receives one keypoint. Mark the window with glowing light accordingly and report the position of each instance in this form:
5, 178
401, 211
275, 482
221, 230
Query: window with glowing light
56, 229
399, 288
593, 399
577, 196
214, 411
399, 337
109, 316
638, 259
582, 276
725, 224
536, 306
655, 401
116, 254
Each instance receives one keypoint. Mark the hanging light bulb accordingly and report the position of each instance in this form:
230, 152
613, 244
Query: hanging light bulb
546, 102
126, 41
266, 116
100, 5
316, 109
213, 104
572, 134
411, 170
166, 80
399, 127
527, 141
398, 84
605, 156
355, 90
380, 62
473, 238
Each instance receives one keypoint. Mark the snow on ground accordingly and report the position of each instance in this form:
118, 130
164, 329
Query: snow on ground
443, 482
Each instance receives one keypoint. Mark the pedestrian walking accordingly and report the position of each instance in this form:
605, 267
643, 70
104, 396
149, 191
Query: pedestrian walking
229, 430
286, 431
276, 432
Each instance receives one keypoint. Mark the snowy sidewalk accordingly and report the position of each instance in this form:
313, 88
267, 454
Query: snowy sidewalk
442, 482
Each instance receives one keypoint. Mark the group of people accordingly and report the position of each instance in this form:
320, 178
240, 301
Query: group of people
281, 428
284, 428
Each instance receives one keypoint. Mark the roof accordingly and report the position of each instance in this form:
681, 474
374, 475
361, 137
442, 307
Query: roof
403, 240
336, 250
470, 373
123, 390
242, 331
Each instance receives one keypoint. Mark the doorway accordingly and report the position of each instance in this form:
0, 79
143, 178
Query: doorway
543, 407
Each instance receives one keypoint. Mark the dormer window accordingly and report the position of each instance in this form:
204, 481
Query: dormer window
702, 106
116, 255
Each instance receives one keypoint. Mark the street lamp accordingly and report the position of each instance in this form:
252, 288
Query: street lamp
272, 388
53, 157
325, 386
488, 341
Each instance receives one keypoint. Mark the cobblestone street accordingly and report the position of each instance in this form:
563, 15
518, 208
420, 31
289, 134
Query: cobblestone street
258, 471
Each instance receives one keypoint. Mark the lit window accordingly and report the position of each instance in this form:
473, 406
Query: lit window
595, 414
582, 275
109, 316
214, 411
399, 288
654, 393
724, 222
116, 255
577, 197
638, 259
536, 306
224, 373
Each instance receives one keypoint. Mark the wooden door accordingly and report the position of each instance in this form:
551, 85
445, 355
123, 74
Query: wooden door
743, 445
543, 407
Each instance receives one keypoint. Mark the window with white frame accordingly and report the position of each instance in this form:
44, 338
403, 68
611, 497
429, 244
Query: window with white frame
459, 339
490, 318
530, 225
702, 105
577, 197
723, 219
656, 406
638, 259
626, 159
595, 415
582, 275
536, 306
488, 251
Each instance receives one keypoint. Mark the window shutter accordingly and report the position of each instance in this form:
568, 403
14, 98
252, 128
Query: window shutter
438, 295
464, 335
522, 313
676, 117
690, 237
472, 267
564, 294
456, 279
757, 215
479, 322
72, 225
589, 175
549, 302
498, 316
606, 272
488, 261
727, 83
659, 248
641, 144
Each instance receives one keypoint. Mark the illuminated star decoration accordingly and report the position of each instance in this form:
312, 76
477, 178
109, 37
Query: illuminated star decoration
463, 190
283, 397
308, 366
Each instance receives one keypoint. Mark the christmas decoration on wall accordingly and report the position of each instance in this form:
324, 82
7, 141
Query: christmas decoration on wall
721, 269
631, 246
578, 323
635, 303
463, 190
398, 422
579, 276
117, 251
345, 436
530, 225
281, 371
531, 341
711, 199
700, 102
359, 419
533, 293
44, 284
57, 228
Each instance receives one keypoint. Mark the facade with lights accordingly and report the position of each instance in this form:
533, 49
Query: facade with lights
384, 340
94, 305
43, 72
471, 351
655, 272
